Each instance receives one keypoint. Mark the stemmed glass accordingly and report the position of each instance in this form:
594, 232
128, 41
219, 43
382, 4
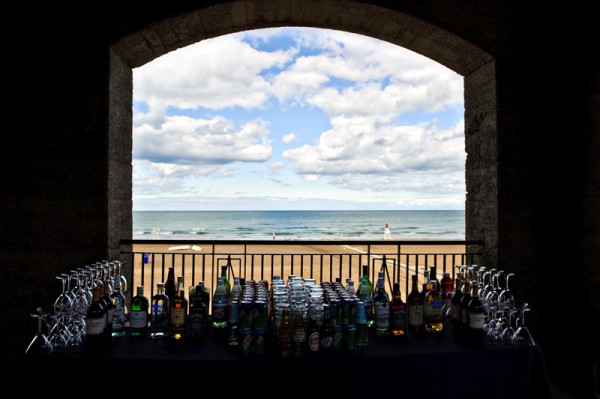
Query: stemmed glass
63, 305
40, 344
506, 298
523, 336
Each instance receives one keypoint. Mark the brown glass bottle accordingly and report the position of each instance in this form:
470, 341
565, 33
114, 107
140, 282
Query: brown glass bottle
299, 333
285, 344
179, 309
398, 312
416, 323
434, 303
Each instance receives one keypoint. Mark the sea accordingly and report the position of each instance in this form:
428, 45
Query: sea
299, 225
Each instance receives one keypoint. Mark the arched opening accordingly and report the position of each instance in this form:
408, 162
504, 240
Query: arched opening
475, 65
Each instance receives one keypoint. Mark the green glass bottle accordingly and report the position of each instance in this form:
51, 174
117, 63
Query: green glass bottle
138, 313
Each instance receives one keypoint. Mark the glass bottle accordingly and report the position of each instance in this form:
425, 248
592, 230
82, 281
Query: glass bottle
285, 344
365, 294
381, 308
197, 314
171, 284
314, 330
299, 335
138, 313
110, 308
476, 311
434, 317
220, 302
120, 310
159, 313
362, 327
95, 319
234, 319
447, 287
416, 322
205, 296
328, 330
179, 309
456, 309
464, 305
237, 287
226, 282
398, 312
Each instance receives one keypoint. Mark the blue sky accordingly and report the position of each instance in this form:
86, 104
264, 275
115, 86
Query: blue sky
297, 118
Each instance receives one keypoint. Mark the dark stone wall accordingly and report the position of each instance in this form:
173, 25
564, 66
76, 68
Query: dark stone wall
532, 123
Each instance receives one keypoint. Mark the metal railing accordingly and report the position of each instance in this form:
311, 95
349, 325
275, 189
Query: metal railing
201, 260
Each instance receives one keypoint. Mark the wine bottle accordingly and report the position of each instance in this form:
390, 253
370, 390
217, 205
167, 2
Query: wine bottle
475, 332
398, 312
179, 309
120, 310
95, 319
138, 314
416, 322
109, 306
464, 305
456, 309
171, 284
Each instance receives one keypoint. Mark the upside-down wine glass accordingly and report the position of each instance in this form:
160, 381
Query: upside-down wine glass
506, 298
523, 336
40, 344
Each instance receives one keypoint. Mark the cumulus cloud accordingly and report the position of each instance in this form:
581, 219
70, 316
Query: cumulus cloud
288, 138
195, 116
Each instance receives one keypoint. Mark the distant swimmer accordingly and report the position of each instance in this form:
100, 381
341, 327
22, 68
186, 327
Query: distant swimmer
274, 236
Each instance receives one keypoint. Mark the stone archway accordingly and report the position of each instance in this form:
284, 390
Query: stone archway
475, 65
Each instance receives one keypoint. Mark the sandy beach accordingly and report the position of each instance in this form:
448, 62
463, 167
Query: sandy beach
323, 261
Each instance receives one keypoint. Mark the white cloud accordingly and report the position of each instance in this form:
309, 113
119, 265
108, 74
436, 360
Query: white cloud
288, 138
394, 126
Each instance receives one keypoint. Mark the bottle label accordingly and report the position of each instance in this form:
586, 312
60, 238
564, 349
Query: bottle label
382, 319
434, 308
94, 326
138, 319
415, 315
314, 341
399, 319
219, 312
476, 321
177, 316
456, 312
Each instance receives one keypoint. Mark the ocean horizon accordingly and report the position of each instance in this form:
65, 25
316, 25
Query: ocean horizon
299, 225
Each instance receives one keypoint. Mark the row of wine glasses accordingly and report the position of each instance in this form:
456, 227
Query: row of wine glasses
504, 321
61, 326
